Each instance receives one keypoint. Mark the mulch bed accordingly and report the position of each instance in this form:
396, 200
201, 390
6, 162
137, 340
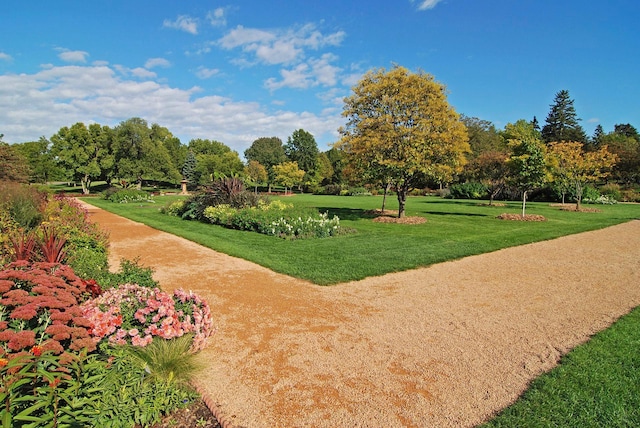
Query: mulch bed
519, 217
196, 415
403, 220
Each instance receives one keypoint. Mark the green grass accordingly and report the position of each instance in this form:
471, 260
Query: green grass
454, 229
596, 385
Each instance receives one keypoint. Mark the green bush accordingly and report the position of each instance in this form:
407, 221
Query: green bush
468, 190
611, 190
175, 208
131, 272
589, 193
220, 214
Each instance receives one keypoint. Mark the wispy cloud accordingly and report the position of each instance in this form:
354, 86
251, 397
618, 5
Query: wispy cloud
72, 56
426, 4
183, 23
157, 62
5, 57
217, 17
205, 73
278, 46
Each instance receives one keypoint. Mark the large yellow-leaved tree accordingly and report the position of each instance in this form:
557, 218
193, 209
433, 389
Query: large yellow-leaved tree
402, 130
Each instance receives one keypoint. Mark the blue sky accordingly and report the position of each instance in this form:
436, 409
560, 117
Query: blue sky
234, 71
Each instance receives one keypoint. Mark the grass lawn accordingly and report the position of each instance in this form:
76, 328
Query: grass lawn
595, 385
454, 229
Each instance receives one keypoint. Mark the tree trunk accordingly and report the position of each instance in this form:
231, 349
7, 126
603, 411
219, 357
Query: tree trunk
85, 184
524, 202
578, 196
384, 197
256, 189
402, 199
563, 193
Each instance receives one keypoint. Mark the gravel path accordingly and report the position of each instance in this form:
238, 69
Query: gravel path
446, 346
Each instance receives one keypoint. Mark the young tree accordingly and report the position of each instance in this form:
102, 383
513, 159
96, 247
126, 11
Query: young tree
562, 121
572, 165
268, 152
401, 127
527, 163
288, 174
256, 174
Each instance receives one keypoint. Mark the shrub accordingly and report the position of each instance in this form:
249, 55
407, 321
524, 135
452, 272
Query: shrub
357, 191
130, 272
39, 306
589, 193
124, 196
329, 189
611, 190
134, 315
175, 208
220, 214
468, 190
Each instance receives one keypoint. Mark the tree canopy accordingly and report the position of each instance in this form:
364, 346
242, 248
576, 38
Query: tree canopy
84, 152
302, 148
401, 128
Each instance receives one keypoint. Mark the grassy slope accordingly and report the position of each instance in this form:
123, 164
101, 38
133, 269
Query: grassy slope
454, 229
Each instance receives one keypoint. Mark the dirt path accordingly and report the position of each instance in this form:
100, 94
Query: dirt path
443, 346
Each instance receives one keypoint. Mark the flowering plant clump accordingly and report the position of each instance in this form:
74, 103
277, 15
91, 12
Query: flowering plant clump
40, 309
220, 214
132, 314
319, 227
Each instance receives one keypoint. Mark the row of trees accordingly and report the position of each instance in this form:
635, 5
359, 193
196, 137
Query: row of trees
402, 132
133, 151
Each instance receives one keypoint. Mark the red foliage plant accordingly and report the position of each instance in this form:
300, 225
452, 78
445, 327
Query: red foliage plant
40, 306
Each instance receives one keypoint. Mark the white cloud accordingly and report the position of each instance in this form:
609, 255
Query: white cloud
205, 73
183, 23
593, 120
157, 62
315, 72
217, 17
39, 104
72, 56
426, 4
143, 73
5, 57
278, 46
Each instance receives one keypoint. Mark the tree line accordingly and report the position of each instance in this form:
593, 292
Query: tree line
400, 134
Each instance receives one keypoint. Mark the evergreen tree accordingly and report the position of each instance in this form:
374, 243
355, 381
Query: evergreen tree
596, 139
562, 121
535, 124
189, 169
